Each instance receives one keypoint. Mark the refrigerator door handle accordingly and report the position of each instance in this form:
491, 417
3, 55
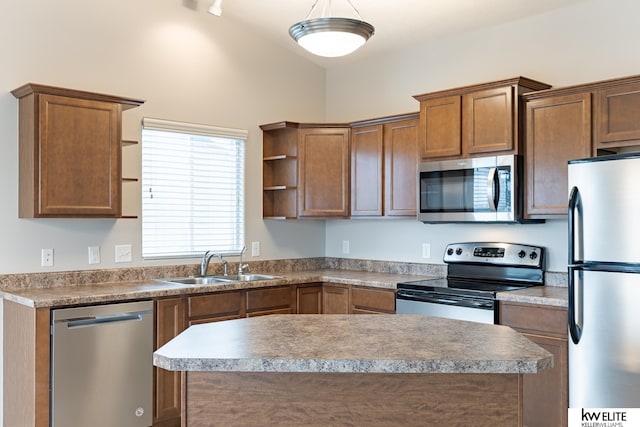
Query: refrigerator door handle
575, 202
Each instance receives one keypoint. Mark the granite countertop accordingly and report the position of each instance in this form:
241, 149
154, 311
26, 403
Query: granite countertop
156, 288
546, 295
354, 344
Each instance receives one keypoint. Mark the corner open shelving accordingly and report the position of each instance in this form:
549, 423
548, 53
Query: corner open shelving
280, 171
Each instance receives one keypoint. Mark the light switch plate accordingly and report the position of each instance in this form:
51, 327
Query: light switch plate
123, 253
345, 247
46, 258
255, 248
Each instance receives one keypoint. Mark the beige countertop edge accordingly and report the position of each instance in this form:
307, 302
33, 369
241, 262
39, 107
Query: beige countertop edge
401, 344
544, 295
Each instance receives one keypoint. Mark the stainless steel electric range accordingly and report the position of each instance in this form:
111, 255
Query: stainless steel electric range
476, 271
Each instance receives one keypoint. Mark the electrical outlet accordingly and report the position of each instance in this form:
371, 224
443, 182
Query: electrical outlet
345, 246
255, 248
46, 258
94, 254
426, 250
123, 253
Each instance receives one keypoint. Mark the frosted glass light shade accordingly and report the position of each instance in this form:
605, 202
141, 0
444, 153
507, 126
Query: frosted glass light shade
331, 37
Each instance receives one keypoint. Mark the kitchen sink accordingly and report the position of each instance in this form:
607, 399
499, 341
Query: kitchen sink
203, 280
247, 277
216, 280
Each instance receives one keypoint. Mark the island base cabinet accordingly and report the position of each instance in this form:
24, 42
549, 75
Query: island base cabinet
361, 399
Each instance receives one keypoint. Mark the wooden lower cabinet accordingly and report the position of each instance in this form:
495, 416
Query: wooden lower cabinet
372, 300
170, 321
335, 299
308, 298
275, 300
546, 395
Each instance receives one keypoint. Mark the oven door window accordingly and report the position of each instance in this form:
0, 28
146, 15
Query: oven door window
482, 189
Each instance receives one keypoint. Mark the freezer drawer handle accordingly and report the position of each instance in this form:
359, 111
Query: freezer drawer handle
100, 320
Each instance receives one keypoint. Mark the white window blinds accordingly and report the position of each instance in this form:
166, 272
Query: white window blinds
192, 189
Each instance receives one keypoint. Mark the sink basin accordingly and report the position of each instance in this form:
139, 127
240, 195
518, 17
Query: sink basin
247, 277
205, 280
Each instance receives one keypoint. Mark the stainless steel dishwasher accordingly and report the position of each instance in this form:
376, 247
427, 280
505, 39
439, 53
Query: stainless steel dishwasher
101, 365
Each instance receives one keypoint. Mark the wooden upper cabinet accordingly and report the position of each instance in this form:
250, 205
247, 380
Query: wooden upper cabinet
400, 167
384, 160
619, 116
440, 124
323, 162
558, 130
473, 120
367, 175
487, 120
70, 152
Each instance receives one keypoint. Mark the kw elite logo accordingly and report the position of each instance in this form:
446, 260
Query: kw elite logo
603, 418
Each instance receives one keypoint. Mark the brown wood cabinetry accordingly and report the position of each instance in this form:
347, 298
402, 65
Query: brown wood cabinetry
618, 120
372, 300
384, 159
275, 300
323, 187
336, 298
558, 130
216, 306
308, 298
70, 152
545, 394
305, 171
170, 321
473, 120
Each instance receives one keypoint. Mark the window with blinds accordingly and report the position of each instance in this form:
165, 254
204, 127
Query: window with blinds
192, 189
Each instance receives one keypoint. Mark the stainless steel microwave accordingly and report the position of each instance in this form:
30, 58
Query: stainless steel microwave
481, 189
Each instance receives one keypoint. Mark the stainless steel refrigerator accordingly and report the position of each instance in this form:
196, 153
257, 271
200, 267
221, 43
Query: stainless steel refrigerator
604, 282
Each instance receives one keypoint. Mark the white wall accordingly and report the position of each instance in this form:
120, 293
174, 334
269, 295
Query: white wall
592, 40
189, 66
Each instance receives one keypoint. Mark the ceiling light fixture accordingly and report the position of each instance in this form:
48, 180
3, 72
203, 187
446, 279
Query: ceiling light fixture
215, 8
331, 36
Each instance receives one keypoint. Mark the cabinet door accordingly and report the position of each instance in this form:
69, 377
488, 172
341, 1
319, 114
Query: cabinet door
309, 299
170, 321
323, 187
440, 120
78, 170
335, 299
276, 300
366, 171
219, 305
558, 130
400, 168
372, 300
619, 116
487, 121
545, 395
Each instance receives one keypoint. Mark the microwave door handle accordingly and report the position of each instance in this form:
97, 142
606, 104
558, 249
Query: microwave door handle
492, 189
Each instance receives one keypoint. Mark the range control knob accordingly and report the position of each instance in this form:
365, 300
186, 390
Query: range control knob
458, 251
450, 251
533, 255
521, 254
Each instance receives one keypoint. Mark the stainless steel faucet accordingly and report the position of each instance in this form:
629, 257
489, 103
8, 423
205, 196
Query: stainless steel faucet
204, 265
242, 266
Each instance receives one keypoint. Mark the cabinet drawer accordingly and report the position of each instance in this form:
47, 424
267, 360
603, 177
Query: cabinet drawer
373, 300
214, 305
268, 298
535, 318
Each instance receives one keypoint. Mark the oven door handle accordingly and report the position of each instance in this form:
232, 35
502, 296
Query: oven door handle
438, 298
493, 189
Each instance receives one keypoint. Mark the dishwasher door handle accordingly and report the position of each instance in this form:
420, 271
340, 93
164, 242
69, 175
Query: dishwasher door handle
101, 320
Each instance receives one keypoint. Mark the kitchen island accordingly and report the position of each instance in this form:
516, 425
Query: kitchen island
374, 370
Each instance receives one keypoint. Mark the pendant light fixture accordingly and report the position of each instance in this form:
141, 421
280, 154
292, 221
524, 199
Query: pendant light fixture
215, 8
331, 36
